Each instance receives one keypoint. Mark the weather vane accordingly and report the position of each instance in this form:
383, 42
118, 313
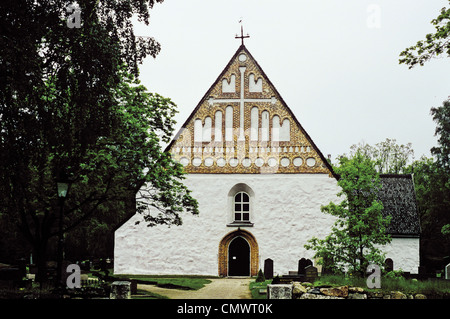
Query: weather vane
242, 34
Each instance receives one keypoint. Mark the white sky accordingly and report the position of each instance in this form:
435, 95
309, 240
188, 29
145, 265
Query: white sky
337, 72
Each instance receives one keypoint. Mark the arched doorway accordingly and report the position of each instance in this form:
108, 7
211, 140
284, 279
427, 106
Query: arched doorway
239, 257
242, 245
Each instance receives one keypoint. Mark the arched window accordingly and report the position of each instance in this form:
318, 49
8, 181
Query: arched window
241, 207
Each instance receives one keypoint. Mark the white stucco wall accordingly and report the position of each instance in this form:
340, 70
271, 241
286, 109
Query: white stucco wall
285, 212
405, 254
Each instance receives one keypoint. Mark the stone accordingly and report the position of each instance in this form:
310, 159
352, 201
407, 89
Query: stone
133, 287
120, 290
447, 271
298, 289
355, 290
398, 295
84, 277
357, 296
316, 296
302, 264
310, 273
375, 294
279, 291
315, 291
420, 296
268, 268
341, 291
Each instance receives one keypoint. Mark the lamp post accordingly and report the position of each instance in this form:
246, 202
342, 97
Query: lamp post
63, 189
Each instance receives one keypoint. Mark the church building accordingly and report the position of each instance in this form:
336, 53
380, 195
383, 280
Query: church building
260, 181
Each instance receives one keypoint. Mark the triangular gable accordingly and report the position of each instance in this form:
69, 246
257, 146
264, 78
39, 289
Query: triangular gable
242, 125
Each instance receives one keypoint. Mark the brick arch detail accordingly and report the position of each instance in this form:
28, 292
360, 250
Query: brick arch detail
223, 251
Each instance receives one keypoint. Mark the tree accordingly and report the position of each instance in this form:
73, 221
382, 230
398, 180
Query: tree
71, 106
432, 177
360, 225
435, 44
389, 157
441, 115
431, 185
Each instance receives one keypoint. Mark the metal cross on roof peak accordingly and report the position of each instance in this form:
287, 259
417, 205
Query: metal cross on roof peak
242, 34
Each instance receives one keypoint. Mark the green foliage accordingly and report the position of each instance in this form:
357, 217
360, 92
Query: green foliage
72, 107
432, 185
434, 45
441, 115
176, 282
256, 286
446, 230
389, 157
396, 282
360, 225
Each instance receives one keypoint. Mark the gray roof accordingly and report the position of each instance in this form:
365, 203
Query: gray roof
399, 201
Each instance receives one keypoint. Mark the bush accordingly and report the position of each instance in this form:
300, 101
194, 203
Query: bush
260, 277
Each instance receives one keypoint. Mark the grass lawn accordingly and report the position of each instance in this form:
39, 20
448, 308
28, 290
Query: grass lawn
173, 282
188, 283
143, 294
256, 287
176, 282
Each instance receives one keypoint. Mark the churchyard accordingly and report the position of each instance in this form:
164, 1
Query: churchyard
83, 171
99, 282
307, 284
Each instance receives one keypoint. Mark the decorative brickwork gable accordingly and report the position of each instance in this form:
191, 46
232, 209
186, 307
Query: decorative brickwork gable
260, 135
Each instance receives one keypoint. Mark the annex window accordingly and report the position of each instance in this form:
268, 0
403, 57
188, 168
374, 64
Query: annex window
241, 207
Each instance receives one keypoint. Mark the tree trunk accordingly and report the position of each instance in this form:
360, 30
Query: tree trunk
40, 251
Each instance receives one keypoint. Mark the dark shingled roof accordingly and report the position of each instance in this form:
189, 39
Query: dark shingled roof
399, 200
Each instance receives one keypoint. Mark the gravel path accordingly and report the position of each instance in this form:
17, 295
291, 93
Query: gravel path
221, 288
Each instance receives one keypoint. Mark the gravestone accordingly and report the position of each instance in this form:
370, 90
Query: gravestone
302, 264
22, 264
268, 268
422, 272
120, 290
133, 287
447, 271
279, 291
389, 265
310, 273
